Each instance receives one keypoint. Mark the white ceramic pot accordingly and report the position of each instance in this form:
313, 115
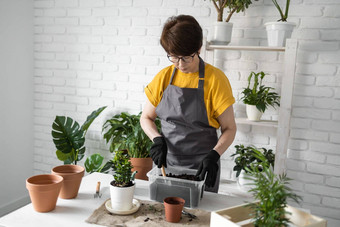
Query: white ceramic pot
222, 33
253, 113
243, 183
122, 197
278, 32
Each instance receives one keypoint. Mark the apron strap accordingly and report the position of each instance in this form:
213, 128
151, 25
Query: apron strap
200, 71
201, 74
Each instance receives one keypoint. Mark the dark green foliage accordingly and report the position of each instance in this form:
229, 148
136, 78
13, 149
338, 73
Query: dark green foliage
94, 163
259, 95
123, 131
122, 168
69, 137
246, 156
272, 192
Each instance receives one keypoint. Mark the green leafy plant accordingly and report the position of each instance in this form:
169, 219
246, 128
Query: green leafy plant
123, 176
246, 156
123, 131
271, 192
232, 5
284, 16
94, 163
259, 95
69, 137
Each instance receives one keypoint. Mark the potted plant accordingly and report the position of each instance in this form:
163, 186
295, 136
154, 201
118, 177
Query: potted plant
258, 97
279, 31
245, 157
123, 131
69, 139
223, 29
122, 188
272, 192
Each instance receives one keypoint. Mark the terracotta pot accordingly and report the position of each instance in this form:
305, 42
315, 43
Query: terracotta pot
142, 165
72, 175
44, 190
173, 209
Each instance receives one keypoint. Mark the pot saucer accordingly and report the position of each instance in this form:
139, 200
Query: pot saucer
134, 208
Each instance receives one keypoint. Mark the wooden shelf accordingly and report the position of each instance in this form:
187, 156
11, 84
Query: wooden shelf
266, 123
250, 48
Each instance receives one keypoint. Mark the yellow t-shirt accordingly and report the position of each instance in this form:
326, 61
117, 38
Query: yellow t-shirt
217, 90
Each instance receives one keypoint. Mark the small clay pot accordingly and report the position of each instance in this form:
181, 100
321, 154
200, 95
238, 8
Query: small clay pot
44, 190
72, 175
173, 209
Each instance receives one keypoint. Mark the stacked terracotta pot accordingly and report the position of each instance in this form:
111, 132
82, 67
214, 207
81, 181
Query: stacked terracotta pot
63, 182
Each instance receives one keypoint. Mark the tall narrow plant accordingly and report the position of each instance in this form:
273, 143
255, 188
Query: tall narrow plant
283, 16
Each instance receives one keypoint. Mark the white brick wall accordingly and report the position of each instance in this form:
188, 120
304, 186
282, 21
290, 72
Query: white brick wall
94, 53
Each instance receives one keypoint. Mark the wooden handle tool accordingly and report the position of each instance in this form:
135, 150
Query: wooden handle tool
163, 171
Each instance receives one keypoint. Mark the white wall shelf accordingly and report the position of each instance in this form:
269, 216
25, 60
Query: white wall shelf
266, 123
210, 46
283, 123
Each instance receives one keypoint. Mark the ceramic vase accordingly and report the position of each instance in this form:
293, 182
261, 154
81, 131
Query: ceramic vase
173, 209
122, 197
72, 175
44, 190
253, 114
278, 32
142, 166
222, 33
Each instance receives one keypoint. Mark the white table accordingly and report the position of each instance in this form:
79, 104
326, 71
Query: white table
74, 212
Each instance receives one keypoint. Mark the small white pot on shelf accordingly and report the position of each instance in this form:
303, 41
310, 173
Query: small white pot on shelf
278, 32
222, 33
253, 113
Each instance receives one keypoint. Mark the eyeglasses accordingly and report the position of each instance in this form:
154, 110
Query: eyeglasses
185, 59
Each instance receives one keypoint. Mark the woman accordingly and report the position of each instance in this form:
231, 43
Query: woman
192, 99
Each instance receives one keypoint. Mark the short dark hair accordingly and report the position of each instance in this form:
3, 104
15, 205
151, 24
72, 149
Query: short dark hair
182, 35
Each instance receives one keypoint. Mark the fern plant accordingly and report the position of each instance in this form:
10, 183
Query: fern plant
272, 193
259, 95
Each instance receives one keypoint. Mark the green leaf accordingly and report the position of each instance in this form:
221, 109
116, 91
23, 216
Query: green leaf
93, 163
62, 156
66, 134
91, 118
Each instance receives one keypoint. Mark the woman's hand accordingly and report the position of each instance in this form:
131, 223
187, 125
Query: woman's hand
159, 151
209, 166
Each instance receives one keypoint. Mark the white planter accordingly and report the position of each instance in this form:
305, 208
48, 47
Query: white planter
122, 197
244, 183
278, 32
253, 113
222, 33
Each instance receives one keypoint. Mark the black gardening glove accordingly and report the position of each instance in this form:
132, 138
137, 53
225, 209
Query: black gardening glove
209, 165
158, 151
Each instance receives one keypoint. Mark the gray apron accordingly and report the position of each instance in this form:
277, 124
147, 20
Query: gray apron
185, 125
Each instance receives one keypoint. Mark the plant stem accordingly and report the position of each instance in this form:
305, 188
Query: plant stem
230, 14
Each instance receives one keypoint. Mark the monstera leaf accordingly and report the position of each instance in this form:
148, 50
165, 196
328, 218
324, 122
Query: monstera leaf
91, 118
67, 134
